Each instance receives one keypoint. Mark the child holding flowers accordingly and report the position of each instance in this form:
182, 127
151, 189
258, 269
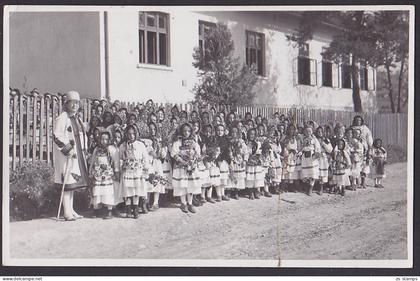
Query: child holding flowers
134, 165
186, 179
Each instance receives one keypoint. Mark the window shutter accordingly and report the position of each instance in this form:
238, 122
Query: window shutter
340, 81
371, 79
314, 73
335, 76
295, 69
319, 73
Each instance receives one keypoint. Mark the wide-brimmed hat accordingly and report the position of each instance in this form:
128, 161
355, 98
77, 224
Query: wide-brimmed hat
72, 95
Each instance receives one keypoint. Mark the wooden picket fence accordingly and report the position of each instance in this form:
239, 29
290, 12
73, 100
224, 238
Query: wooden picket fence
391, 127
32, 117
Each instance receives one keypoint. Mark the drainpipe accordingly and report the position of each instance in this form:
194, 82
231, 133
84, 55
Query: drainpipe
107, 93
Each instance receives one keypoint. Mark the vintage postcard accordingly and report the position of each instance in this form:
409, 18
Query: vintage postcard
228, 136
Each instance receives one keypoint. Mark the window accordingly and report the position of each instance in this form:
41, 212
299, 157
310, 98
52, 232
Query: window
327, 70
327, 76
363, 75
255, 51
346, 76
153, 38
203, 30
305, 69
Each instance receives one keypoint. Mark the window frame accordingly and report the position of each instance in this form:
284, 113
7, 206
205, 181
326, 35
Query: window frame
312, 71
365, 85
143, 44
248, 49
201, 37
347, 65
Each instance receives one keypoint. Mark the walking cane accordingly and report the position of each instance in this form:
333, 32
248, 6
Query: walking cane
62, 188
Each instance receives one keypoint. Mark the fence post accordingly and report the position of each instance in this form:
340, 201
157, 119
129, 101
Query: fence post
15, 97
41, 132
28, 103
35, 122
48, 129
20, 129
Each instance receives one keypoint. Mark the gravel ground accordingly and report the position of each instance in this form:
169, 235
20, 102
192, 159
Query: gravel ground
364, 224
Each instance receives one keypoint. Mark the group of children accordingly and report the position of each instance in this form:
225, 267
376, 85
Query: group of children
135, 156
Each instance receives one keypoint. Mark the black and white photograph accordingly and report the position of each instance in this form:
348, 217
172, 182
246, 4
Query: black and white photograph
228, 136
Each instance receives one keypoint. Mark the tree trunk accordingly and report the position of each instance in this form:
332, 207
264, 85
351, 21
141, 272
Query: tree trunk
357, 101
390, 92
400, 84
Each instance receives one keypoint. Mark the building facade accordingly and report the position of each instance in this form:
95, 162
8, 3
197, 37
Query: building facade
148, 54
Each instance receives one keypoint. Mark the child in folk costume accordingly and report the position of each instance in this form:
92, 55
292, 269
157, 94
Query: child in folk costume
204, 172
291, 172
311, 151
134, 159
238, 157
378, 155
324, 159
104, 173
254, 170
340, 163
222, 162
186, 176
277, 169
348, 139
117, 138
267, 160
212, 152
356, 157
157, 151
367, 140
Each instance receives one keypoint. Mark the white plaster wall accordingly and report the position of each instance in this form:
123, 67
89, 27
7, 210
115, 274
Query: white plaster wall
130, 82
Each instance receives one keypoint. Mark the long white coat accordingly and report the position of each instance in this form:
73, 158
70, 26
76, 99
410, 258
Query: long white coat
64, 140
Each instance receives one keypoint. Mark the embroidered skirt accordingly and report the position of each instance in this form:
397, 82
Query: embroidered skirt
323, 169
254, 176
106, 192
133, 183
184, 182
224, 172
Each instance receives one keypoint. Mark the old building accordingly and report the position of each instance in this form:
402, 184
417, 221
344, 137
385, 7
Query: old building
134, 54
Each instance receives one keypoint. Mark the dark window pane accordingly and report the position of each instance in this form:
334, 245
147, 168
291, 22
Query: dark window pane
151, 47
141, 46
304, 50
162, 21
247, 56
346, 76
253, 56
141, 19
260, 63
151, 20
162, 48
327, 74
304, 75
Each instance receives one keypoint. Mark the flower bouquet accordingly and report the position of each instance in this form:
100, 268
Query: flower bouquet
155, 179
189, 156
212, 153
101, 169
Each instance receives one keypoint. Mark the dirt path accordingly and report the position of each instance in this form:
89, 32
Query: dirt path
365, 224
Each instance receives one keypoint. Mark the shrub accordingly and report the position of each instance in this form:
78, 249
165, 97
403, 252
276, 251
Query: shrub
395, 153
33, 193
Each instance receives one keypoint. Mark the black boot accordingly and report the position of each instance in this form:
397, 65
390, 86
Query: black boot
251, 193
144, 208
321, 188
236, 194
128, 211
256, 193
136, 211
311, 187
